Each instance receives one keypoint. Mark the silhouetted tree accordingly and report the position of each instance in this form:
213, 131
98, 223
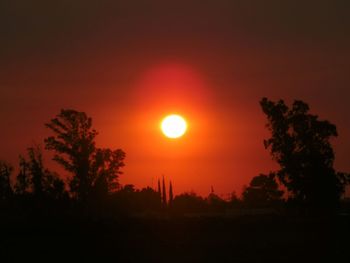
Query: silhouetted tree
159, 191
37, 180
235, 201
262, 190
215, 202
171, 196
5, 185
36, 168
300, 143
189, 203
95, 171
54, 187
164, 201
106, 170
74, 147
22, 181
148, 199
123, 200
130, 200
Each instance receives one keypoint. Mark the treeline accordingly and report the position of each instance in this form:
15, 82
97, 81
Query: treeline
36, 190
299, 143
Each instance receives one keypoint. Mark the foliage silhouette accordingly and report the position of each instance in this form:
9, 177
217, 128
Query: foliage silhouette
215, 203
171, 195
130, 200
95, 171
235, 201
23, 179
164, 199
36, 180
300, 143
262, 191
159, 191
189, 203
5, 185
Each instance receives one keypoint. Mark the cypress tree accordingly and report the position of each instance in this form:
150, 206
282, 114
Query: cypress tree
164, 194
159, 193
171, 196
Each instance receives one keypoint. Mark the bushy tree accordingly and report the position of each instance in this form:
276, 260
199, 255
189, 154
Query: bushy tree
105, 169
130, 200
35, 179
234, 201
95, 170
189, 203
216, 203
5, 185
300, 143
22, 181
262, 191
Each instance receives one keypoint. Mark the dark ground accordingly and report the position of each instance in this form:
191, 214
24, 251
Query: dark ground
241, 239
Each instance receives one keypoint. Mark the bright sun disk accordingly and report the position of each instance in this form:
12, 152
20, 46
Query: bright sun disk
173, 126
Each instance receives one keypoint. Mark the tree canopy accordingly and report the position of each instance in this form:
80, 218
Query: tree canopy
33, 178
95, 170
300, 143
5, 185
262, 191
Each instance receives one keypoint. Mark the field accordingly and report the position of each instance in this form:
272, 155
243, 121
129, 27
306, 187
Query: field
203, 239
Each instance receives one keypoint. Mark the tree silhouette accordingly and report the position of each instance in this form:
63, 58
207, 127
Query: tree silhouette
22, 180
300, 143
95, 170
235, 201
171, 195
74, 146
5, 185
37, 180
262, 191
215, 202
164, 201
36, 168
189, 202
130, 200
105, 170
159, 192
148, 199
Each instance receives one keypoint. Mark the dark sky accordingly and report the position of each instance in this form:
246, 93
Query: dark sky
223, 56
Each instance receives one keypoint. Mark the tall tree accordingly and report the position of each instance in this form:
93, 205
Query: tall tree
159, 193
22, 180
5, 185
300, 143
171, 196
37, 180
105, 170
164, 201
94, 170
37, 170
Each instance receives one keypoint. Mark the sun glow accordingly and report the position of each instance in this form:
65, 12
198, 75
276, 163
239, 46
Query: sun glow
173, 126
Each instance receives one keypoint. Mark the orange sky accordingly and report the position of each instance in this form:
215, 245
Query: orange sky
129, 63
214, 150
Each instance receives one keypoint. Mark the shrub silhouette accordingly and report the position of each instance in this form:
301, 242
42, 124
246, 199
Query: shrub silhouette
262, 191
130, 200
189, 202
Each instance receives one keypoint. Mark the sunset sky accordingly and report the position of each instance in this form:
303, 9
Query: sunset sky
128, 64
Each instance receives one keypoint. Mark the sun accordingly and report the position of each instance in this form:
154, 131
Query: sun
173, 126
